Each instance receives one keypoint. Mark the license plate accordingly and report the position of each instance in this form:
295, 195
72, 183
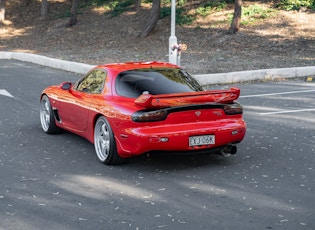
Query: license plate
202, 140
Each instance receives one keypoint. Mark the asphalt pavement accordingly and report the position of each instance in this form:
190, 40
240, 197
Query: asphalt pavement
56, 182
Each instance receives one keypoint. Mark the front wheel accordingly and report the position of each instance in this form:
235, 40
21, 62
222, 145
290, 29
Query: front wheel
104, 143
47, 119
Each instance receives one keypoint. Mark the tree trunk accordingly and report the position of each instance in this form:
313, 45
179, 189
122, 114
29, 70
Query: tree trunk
28, 2
44, 8
137, 4
2, 11
153, 18
74, 13
235, 25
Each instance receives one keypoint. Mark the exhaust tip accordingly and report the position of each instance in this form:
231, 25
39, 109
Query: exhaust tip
233, 149
229, 150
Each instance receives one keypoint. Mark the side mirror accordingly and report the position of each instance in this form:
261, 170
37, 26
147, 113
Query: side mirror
65, 85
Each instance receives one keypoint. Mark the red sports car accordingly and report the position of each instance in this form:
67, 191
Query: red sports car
134, 108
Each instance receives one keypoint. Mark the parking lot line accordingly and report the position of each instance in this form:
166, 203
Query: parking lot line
287, 111
282, 93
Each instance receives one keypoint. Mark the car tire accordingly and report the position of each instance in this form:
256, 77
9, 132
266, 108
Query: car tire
105, 144
47, 119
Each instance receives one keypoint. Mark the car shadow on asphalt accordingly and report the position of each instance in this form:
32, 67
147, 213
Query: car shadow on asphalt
178, 161
157, 160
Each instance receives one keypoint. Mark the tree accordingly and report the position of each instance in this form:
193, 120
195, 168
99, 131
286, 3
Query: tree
44, 8
74, 12
153, 18
235, 25
137, 4
28, 2
2, 11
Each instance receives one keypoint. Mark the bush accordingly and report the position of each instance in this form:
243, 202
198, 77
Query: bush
295, 4
181, 17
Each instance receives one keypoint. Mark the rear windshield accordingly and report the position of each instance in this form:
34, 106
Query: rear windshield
155, 81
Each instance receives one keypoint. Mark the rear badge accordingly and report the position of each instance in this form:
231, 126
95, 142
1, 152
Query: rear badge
198, 113
218, 113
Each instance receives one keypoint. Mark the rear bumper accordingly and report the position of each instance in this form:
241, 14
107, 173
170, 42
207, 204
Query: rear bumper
175, 138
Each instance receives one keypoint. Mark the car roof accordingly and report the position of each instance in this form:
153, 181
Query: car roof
136, 65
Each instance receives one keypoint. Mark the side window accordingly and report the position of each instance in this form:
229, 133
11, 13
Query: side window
93, 82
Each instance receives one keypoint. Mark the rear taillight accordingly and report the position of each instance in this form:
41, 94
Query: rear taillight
142, 116
231, 109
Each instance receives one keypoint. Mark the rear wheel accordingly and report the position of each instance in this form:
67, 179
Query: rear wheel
104, 143
47, 119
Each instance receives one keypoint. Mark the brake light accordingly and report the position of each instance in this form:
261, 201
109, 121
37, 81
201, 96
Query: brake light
231, 109
157, 115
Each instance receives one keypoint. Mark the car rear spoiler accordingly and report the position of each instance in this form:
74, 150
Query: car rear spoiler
167, 100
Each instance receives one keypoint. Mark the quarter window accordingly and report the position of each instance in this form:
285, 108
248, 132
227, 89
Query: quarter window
93, 82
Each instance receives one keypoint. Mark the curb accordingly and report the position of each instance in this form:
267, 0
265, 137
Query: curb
254, 75
204, 79
70, 66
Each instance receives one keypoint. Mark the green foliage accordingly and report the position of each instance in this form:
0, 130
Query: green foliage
99, 2
206, 9
115, 7
250, 14
67, 13
181, 17
254, 13
119, 7
295, 4
178, 2
181, 2
64, 14
165, 12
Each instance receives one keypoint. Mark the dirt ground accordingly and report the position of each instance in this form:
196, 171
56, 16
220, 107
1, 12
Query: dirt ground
284, 40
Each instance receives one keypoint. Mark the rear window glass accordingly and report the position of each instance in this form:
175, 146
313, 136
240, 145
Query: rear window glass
155, 81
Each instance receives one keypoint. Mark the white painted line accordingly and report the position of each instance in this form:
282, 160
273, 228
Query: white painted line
5, 93
288, 111
283, 93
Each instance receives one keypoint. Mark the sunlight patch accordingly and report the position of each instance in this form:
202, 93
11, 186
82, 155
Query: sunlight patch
100, 187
